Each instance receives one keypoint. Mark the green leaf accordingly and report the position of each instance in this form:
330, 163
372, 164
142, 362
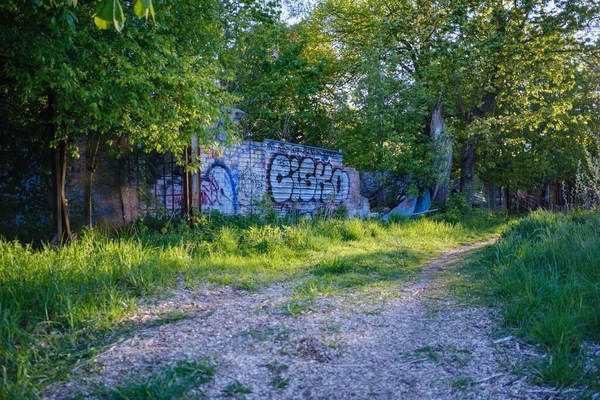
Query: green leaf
71, 20
109, 12
139, 9
118, 16
104, 12
142, 8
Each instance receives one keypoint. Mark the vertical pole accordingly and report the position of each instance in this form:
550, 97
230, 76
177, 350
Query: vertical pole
199, 180
187, 185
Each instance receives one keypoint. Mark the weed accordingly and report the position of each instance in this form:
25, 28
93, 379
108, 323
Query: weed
459, 357
333, 327
353, 229
277, 368
235, 388
462, 383
227, 239
294, 308
332, 343
430, 352
172, 383
279, 383
265, 333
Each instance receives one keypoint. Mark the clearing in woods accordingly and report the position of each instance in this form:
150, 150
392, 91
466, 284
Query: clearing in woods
415, 340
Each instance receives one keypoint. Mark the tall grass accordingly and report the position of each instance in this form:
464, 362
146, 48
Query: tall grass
57, 305
548, 269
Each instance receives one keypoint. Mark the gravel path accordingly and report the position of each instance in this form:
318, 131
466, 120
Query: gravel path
412, 341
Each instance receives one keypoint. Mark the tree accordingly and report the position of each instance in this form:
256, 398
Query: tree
280, 87
157, 85
500, 67
384, 50
510, 73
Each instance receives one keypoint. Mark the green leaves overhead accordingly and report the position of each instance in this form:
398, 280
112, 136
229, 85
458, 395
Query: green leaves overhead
157, 87
142, 8
109, 12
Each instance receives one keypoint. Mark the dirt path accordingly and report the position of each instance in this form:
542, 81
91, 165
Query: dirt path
413, 341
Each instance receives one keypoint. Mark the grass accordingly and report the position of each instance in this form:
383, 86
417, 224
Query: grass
279, 382
546, 269
462, 382
235, 389
172, 383
266, 333
58, 306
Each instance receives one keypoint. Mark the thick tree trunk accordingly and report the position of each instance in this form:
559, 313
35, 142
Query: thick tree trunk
60, 212
91, 164
467, 174
442, 147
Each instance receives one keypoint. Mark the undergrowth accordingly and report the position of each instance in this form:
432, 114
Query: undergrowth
57, 305
547, 268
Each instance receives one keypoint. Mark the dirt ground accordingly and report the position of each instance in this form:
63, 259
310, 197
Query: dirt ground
412, 340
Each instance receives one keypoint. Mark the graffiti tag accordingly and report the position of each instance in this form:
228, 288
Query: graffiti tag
293, 178
218, 189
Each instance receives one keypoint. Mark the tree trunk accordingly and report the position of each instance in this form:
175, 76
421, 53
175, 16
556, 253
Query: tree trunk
57, 219
64, 205
442, 148
91, 164
467, 174
491, 197
60, 212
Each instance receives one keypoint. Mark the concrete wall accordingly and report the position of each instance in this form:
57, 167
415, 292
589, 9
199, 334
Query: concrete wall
237, 181
291, 177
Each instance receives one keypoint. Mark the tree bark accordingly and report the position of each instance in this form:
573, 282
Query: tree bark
506, 195
60, 212
64, 205
467, 174
491, 197
442, 147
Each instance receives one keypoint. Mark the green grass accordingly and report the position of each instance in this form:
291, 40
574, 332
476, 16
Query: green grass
236, 389
171, 383
279, 383
462, 382
58, 305
547, 269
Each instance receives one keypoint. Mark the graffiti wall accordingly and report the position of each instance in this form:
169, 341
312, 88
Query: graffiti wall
290, 177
